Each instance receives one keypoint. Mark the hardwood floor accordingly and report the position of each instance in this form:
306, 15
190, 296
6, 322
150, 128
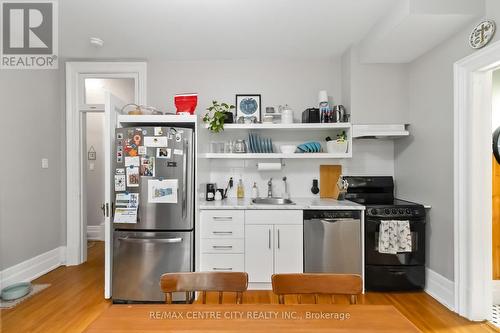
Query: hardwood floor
75, 299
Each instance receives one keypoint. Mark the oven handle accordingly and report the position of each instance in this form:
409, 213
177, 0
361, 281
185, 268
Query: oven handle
412, 221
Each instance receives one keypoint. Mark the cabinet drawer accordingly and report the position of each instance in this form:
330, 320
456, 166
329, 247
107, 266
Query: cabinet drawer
226, 215
229, 245
223, 262
273, 216
222, 224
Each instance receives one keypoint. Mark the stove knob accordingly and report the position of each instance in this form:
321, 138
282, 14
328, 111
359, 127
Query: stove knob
387, 211
408, 211
401, 211
373, 211
393, 211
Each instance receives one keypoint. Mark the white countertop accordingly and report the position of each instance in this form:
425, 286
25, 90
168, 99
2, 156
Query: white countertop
300, 204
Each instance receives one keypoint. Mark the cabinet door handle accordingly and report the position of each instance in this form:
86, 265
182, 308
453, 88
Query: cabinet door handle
222, 232
221, 269
278, 238
222, 218
269, 238
222, 247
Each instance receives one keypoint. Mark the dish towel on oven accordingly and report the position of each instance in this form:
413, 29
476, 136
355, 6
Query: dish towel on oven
394, 237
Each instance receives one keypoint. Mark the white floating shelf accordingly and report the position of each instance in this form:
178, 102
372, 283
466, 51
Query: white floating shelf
167, 118
294, 126
390, 131
274, 155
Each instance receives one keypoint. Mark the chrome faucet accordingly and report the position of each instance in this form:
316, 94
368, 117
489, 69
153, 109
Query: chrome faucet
270, 188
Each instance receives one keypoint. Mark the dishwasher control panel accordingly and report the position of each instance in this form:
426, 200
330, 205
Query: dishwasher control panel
331, 214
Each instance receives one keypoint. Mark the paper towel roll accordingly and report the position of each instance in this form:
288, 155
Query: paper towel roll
268, 166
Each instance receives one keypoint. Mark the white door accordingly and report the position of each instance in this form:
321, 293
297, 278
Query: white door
259, 252
288, 248
112, 109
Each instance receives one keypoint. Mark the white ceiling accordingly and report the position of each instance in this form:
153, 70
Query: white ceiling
216, 29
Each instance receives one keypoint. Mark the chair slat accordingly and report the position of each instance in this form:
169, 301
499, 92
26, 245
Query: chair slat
204, 297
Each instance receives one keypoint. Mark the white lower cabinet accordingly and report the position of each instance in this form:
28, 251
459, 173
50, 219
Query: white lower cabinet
259, 242
259, 252
273, 248
222, 241
222, 262
288, 249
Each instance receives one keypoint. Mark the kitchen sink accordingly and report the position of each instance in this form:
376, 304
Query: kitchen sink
272, 201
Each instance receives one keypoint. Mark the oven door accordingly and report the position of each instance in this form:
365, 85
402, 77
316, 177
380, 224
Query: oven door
415, 257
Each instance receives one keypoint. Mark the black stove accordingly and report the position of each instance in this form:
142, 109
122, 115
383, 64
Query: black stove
389, 272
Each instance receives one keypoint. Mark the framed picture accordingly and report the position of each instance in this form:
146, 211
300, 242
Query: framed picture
248, 106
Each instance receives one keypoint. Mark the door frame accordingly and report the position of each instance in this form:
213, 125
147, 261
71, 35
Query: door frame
472, 182
75, 233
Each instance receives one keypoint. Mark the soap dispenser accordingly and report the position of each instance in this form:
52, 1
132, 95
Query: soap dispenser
255, 191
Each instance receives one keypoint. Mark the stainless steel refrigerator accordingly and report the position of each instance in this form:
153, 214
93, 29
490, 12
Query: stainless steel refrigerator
158, 194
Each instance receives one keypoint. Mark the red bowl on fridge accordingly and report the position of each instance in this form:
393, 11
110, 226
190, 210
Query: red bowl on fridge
186, 103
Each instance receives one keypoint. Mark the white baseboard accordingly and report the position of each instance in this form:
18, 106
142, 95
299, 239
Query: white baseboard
95, 232
440, 288
30, 269
495, 287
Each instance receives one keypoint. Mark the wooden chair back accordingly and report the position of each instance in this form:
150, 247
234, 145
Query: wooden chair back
204, 281
317, 284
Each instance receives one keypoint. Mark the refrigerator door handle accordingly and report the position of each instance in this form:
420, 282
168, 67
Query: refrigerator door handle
107, 209
184, 179
151, 240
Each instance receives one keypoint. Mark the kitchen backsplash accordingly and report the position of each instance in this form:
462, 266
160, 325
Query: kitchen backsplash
371, 157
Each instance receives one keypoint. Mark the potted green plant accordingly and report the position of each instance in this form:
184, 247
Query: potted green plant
338, 146
217, 115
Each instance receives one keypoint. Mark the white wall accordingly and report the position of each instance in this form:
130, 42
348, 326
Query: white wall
374, 93
31, 198
95, 177
295, 83
424, 161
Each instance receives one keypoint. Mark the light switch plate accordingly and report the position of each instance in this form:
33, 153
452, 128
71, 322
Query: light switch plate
45, 163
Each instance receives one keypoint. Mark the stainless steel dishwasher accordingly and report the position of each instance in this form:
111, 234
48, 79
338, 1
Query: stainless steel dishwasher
332, 241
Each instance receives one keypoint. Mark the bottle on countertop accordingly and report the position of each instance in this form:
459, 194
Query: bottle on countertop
285, 194
255, 191
240, 190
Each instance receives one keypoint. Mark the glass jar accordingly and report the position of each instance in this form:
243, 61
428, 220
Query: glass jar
240, 146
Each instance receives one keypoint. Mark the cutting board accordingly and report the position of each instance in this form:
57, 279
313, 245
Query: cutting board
328, 177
